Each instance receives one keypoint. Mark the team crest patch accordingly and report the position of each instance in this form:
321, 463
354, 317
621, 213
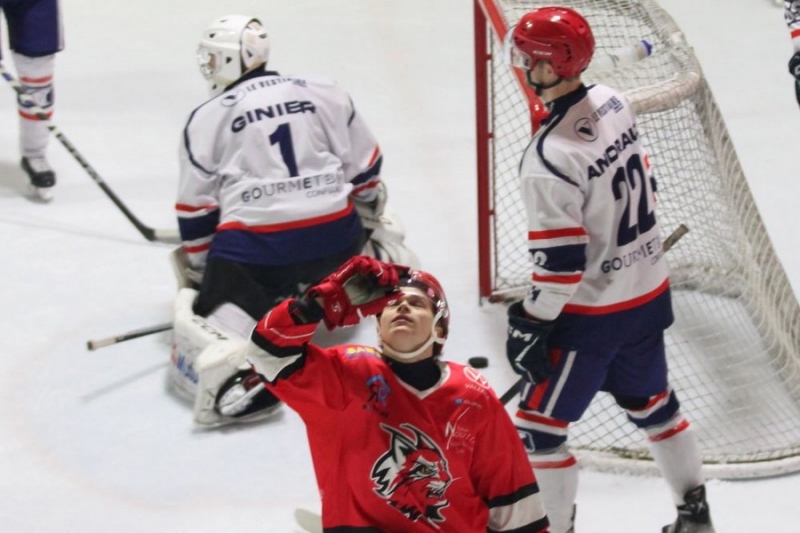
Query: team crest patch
586, 130
413, 476
378, 400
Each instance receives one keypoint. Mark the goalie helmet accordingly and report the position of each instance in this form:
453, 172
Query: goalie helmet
230, 46
558, 35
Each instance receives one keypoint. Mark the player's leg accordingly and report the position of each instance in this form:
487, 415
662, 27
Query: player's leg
542, 421
638, 382
35, 35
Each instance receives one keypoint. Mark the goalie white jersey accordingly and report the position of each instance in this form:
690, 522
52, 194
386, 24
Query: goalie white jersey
269, 169
596, 248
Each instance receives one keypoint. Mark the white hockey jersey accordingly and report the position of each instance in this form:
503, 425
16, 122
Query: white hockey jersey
589, 193
269, 169
792, 14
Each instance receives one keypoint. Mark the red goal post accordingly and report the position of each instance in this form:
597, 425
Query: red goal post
734, 350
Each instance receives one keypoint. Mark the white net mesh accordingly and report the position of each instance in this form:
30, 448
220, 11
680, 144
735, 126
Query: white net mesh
734, 350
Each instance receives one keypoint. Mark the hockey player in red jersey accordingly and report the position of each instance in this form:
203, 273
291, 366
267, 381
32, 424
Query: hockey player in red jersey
401, 441
595, 315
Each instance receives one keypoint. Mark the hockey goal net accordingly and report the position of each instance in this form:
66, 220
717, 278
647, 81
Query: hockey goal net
734, 350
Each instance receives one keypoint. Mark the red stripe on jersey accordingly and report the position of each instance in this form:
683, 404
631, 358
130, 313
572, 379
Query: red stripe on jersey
539, 390
796, 33
295, 224
541, 419
30, 116
45, 79
194, 208
652, 402
198, 248
375, 154
569, 279
556, 233
670, 432
365, 186
621, 306
571, 460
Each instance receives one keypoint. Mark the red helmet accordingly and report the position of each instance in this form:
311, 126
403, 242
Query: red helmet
556, 34
433, 289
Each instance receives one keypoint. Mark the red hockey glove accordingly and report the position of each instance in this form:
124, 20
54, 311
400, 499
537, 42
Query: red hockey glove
361, 287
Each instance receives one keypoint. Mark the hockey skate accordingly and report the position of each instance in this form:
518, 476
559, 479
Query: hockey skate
41, 176
693, 515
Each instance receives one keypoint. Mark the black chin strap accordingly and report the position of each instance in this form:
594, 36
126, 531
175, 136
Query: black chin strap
538, 87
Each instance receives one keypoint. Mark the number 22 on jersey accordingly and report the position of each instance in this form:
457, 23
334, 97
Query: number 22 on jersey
638, 210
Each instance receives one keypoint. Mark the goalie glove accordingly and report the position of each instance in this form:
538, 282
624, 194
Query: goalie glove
361, 287
526, 345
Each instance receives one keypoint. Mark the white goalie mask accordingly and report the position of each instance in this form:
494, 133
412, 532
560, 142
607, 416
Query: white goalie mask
231, 46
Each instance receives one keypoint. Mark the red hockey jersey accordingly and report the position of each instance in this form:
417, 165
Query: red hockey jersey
390, 457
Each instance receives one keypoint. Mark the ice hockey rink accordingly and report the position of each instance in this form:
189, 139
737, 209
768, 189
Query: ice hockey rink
93, 442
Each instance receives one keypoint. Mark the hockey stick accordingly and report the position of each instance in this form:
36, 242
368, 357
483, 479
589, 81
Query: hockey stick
669, 242
135, 334
151, 234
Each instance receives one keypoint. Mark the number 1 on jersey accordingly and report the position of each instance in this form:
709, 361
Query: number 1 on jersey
283, 138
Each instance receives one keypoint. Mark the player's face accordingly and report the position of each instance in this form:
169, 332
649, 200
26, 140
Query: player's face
406, 323
540, 76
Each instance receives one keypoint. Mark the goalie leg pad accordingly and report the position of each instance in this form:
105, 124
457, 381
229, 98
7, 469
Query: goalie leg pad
386, 236
233, 320
216, 365
386, 228
181, 268
191, 335
208, 362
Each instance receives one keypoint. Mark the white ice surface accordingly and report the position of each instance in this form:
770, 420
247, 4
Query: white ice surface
92, 442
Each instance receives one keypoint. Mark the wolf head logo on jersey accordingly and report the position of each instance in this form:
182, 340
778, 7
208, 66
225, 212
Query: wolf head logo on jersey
413, 474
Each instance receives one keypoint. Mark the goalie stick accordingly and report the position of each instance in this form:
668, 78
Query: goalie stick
669, 242
134, 334
151, 234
